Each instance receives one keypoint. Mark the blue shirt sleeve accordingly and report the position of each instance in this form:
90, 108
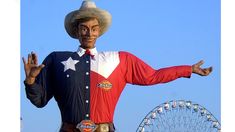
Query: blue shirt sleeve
41, 91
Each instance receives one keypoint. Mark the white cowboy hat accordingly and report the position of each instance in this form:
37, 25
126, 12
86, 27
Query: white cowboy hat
87, 9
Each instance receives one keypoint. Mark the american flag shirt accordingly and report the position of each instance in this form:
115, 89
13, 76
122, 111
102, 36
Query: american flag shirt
88, 87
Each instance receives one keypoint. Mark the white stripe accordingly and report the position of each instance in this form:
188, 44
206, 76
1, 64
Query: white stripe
105, 63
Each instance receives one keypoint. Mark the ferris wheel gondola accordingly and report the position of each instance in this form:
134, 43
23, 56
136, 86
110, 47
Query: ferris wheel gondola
179, 116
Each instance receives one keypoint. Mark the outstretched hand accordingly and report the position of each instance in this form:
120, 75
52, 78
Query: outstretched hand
31, 68
201, 71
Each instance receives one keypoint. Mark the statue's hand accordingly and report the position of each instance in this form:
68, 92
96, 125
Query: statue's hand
201, 71
31, 68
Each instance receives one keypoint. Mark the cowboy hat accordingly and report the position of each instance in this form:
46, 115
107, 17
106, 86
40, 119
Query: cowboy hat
87, 9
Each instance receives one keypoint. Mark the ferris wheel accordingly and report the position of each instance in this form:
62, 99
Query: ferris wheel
179, 116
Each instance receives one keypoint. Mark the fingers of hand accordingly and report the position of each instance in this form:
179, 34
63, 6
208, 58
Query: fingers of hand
34, 58
24, 61
200, 63
29, 59
37, 69
210, 69
207, 71
25, 66
41, 66
201, 72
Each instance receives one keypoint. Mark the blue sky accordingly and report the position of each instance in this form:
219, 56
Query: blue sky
162, 33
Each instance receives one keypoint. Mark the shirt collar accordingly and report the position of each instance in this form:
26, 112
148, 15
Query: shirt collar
82, 51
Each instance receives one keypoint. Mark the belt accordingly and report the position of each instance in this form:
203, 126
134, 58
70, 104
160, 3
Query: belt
101, 127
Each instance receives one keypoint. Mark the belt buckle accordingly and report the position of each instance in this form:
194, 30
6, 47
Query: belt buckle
86, 126
103, 127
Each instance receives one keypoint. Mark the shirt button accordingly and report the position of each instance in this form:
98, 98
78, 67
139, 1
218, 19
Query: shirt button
87, 73
87, 115
87, 87
87, 101
87, 61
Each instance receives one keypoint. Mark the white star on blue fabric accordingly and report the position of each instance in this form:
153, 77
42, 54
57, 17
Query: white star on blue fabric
69, 64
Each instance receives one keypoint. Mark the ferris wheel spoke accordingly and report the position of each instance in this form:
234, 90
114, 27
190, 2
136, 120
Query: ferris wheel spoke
179, 116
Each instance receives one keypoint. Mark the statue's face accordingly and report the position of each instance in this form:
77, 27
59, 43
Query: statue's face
88, 32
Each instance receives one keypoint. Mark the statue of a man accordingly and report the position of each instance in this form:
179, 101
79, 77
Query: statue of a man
86, 83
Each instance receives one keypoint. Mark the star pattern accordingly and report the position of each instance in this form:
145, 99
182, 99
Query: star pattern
69, 64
